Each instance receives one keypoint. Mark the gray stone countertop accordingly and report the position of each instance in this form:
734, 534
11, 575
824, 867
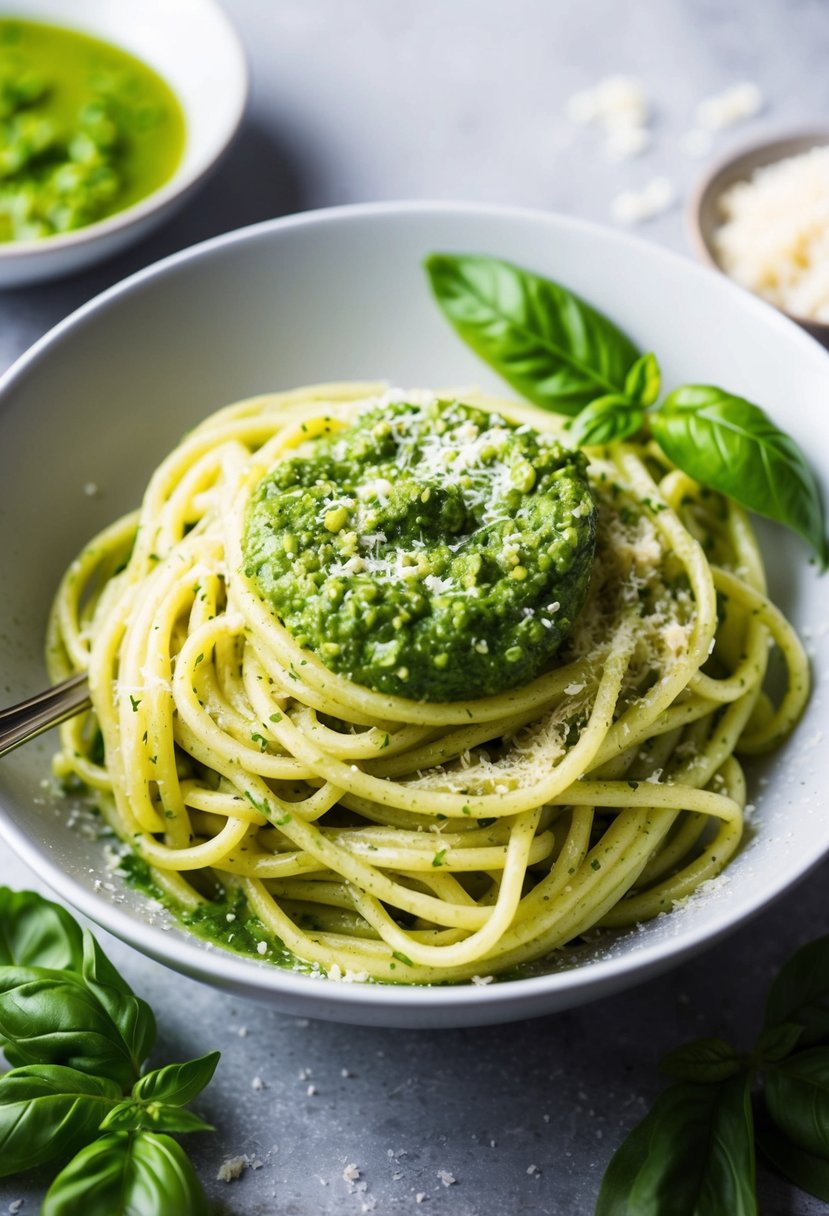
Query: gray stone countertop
380, 99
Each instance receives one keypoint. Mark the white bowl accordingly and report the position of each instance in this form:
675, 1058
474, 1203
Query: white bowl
193, 46
341, 295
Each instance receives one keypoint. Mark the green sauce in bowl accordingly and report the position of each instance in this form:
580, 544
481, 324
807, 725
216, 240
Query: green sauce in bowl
86, 130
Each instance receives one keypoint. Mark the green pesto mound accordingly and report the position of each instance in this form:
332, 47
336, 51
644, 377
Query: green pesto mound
433, 551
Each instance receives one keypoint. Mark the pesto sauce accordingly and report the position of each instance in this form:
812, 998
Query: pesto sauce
226, 920
85, 130
434, 551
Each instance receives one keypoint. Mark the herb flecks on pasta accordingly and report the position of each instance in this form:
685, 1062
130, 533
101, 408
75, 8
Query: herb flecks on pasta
399, 839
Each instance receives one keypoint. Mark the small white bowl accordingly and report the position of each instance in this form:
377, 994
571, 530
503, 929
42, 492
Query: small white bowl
193, 46
704, 216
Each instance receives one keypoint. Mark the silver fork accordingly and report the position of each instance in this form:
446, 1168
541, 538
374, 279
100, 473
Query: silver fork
20, 723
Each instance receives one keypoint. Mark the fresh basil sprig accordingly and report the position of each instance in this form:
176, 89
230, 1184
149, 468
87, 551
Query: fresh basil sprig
128, 1174
731, 445
562, 354
548, 343
608, 419
693, 1153
48, 1112
37, 933
78, 1037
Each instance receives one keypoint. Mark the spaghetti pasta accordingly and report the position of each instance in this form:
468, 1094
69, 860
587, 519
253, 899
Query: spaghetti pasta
410, 841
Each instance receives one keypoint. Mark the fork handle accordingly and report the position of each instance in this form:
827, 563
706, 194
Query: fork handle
23, 721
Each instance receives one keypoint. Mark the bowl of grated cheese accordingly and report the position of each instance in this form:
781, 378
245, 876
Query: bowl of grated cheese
761, 216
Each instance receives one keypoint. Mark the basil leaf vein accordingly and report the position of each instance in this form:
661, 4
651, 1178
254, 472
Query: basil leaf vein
706, 1061
800, 993
127, 1174
693, 1154
797, 1099
132, 1016
606, 420
177, 1084
548, 343
48, 1112
51, 1017
34, 932
805, 1170
731, 445
133, 1116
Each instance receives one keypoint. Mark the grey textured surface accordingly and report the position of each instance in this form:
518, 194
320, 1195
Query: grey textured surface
379, 99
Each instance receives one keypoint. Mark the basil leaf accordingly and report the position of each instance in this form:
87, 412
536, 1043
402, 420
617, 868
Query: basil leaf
731, 445
177, 1084
132, 1116
51, 1017
707, 1061
34, 932
545, 341
644, 380
808, 1172
777, 1042
128, 1174
132, 1016
800, 994
692, 1155
606, 420
797, 1098
48, 1112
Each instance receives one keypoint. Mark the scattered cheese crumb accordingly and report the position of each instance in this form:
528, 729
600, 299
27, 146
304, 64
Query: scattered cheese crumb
616, 101
233, 1168
242, 1032
446, 1178
733, 105
15, 1206
351, 1173
257, 1083
480, 981
619, 105
632, 206
262, 948
420, 1196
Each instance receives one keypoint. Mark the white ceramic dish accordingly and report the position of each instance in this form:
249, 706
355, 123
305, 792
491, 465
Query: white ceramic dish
339, 295
194, 47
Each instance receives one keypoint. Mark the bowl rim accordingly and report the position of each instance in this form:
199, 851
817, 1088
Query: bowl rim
175, 187
706, 185
265, 981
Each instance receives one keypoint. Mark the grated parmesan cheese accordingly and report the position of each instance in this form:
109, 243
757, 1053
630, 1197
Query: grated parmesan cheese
618, 105
775, 236
233, 1168
632, 206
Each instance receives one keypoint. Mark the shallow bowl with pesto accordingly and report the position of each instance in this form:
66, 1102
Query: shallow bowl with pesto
109, 121
280, 273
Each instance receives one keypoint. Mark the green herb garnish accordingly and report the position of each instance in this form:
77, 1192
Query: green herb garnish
77, 1038
563, 355
694, 1153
